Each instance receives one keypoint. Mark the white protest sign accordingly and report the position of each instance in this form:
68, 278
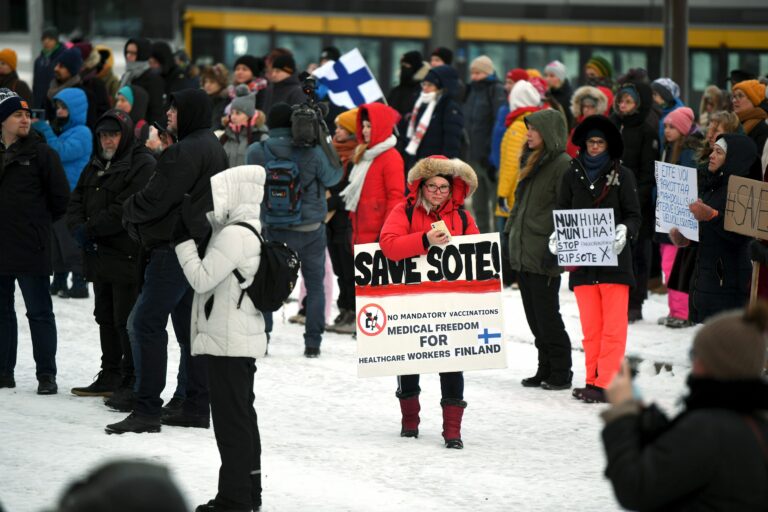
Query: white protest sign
676, 188
440, 312
585, 237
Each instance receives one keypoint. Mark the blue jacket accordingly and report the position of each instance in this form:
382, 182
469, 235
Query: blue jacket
317, 173
75, 142
499, 128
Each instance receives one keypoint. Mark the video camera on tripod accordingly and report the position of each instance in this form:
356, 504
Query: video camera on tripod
308, 127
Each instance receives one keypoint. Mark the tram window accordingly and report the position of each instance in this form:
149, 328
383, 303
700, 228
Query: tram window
763, 64
306, 49
538, 56
244, 43
504, 56
398, 48
628, 59
703, 70
370, 48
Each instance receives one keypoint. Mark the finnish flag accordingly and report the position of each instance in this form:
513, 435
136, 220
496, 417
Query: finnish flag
349, 80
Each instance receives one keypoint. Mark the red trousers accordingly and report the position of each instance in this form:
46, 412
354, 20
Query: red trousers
603, 312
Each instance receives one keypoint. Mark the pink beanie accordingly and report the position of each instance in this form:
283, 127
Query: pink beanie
680, 119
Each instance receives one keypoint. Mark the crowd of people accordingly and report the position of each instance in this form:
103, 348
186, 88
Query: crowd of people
144, 185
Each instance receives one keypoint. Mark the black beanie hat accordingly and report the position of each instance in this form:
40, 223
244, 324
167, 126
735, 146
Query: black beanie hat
50, 33
255, 64
413, 58
284, 63
445, 54
330, 53
280, 116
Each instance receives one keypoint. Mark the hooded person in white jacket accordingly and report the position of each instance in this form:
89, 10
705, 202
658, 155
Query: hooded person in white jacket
230, 337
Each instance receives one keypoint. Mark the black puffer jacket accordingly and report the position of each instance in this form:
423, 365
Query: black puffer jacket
576, 193
563, 96
287, 91
708, 458
722, 274
97, 205
641, 150
483, 102
33, 194
150, 81
184, 168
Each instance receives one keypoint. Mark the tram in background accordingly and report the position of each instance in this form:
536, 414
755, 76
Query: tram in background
220, 34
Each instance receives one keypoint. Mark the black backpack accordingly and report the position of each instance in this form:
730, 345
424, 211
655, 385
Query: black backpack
276, 277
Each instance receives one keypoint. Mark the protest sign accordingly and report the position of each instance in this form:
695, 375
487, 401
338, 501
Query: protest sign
676, 188
746, 210
440, 312
585, 237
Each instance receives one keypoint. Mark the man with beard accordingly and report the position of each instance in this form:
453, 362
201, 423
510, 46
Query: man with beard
183, 169
120, 168
33, 193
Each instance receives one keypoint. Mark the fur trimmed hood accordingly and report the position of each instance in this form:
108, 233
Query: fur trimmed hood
464, 177
585, 92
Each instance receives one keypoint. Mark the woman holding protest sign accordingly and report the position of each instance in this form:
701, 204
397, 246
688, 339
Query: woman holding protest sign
722, 271
596, 179
438, 187
541, 171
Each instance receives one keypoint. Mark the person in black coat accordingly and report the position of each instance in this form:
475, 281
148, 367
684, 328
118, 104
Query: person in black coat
120, 168
596, 179
44, 64
722, 271
137, 72
713, 455
161, 59
284, 86
182, 177
401, 97
33, 194
631, 108
437, 120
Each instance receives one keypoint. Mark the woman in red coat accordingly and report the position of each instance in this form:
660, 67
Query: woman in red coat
376, 180
438, 187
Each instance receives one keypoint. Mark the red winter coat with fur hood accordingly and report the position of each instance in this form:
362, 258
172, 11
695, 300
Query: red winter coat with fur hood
402, 239
383, 185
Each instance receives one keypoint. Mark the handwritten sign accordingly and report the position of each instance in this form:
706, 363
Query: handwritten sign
440, 312
676, 188
746, 210
585, 237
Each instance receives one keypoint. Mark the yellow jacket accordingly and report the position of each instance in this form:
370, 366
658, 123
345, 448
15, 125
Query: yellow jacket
509, 165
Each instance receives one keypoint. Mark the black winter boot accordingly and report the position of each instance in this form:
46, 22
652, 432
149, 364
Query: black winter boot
7, 381
79, 289
174, 406
46, 385
135, 423
558, 381
211, 506
58, 284
124, 398
105, 384
185, 419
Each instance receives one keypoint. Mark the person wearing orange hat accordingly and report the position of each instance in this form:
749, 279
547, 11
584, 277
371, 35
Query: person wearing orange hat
747, 96
9, 79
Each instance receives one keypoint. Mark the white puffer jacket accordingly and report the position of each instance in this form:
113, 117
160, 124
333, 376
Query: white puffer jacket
226, 330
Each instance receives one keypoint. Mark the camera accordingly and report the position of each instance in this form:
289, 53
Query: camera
308, 127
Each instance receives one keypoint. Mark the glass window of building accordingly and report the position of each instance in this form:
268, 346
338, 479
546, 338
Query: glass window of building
369, 48
306, 49
504, 56
538, 56
237, 44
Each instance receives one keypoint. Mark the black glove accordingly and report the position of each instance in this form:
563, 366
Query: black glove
196, 224
758, 252
503, 204
180, 232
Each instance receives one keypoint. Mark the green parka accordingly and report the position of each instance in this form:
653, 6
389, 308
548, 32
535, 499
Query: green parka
530, 223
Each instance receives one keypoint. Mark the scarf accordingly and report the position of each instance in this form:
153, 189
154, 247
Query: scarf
416, 133
351, 192
133, 70
751, 118
594, 164
56, 87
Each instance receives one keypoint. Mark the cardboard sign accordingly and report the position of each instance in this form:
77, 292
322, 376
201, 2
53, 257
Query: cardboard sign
585, 237
440, 312
746, 210
676, 188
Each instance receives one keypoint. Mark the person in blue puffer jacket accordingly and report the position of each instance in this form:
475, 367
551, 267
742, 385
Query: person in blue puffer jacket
68, 135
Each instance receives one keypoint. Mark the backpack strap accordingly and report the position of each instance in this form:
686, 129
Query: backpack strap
238, 275
409, 212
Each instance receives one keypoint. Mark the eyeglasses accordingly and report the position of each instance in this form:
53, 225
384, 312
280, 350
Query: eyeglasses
435, 188
739, 95
128, 52
596, 142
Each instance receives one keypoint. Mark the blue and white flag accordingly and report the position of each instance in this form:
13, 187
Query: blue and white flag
349, 80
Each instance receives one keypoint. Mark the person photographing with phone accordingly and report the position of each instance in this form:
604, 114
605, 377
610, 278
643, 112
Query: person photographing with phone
430, 215
714, 454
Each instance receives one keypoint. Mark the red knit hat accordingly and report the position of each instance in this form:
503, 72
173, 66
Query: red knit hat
517, 74
681, 119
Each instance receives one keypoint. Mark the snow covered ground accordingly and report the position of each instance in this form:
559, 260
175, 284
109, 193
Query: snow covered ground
330, 440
